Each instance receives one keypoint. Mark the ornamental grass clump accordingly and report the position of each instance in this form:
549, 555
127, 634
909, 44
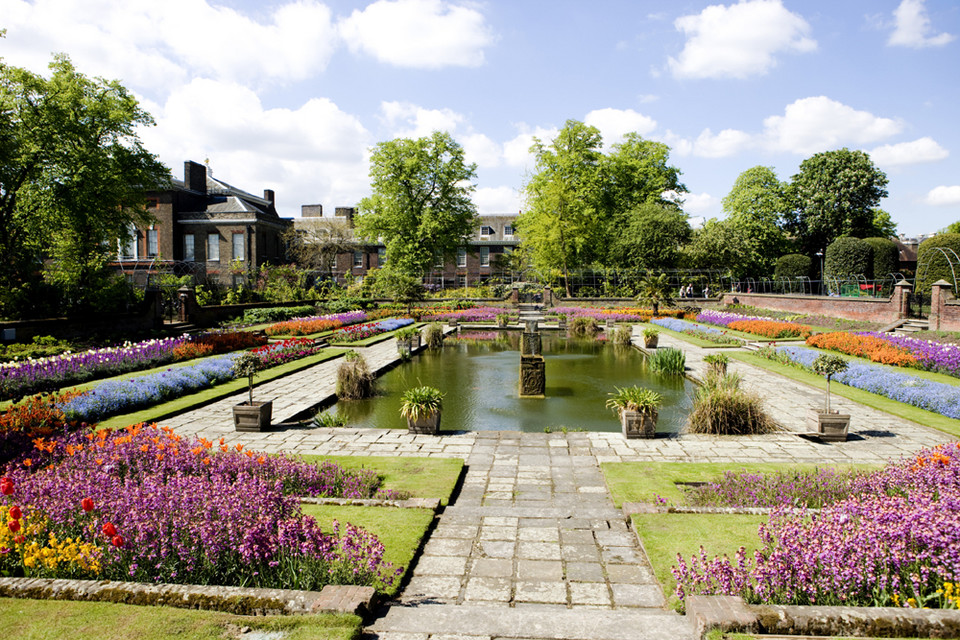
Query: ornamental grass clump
583, 327
635, 398
420, 402
721, 407
622, 336
354, 379
669, 360
434, 336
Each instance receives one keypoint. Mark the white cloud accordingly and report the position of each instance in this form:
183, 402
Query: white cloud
614, 124
481, 149
408, 120
726, 143
418, 33
155, 46
916, 152
912, 27
694, 203
739, 40
810, 125
303, 154
497, 200
944, 196
516, 152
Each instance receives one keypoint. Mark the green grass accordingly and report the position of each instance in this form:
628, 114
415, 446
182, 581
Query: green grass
400, 530
694, 340
644, 481
899, 409
421, 477
56, 619
664, 535
217, 392
380, 337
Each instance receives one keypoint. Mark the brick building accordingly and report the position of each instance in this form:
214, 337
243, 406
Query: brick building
206, 228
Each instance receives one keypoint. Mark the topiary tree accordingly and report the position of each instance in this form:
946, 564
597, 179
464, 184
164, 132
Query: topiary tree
846, 257
886, 257
793, 265
936, 260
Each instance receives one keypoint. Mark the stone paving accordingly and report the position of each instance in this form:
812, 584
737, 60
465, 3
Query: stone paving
533, 547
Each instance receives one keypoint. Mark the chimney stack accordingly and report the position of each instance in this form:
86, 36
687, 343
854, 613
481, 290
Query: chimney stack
195, 177
270, 196
346, 213
311, 210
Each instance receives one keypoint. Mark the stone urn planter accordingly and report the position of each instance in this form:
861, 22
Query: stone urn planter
404, 347
829, 427
638, 409
502, 320
638, 424
427, 425
452, 322
421, 407
651, 338
255, 417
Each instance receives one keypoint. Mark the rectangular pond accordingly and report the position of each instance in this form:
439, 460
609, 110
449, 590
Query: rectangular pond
479, 374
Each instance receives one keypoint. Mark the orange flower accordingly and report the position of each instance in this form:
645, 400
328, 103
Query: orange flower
28, 462
207, 460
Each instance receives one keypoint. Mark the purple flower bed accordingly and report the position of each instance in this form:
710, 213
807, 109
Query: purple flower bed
745, 490
19, 379
894, 542
724, 318
926, 394
682, 326
933, 356
160, 508
477, 314
358, 332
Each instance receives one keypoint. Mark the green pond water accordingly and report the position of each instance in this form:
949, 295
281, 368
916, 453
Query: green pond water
479, 375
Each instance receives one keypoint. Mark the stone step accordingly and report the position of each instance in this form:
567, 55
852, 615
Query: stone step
533, 621
752, 346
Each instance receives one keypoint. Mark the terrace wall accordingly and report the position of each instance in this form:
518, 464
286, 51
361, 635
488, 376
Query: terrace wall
944, 308
147, 318
880, 310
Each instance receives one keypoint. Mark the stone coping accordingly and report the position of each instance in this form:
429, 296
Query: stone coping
630, 508
410, 503
732, 614
237, 600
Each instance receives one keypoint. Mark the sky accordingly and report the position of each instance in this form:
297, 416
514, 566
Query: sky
291, 95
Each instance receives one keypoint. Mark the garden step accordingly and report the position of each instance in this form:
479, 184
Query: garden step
752, 346
533, 621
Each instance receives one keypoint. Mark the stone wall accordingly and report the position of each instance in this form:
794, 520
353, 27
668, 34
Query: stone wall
880, 310
147, 318
944, 308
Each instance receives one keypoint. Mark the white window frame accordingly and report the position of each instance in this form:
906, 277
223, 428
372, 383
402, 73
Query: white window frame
484, 256
213, 247
238, 251
357, 259
508, 230
189, 247
461, 257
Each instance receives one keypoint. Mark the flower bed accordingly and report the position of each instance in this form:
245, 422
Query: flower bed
617, 314
757, 326
475, 314
741, 489
315, 324
933, 356
926, 394
895, 541
865, 346
150, 506
359, 332
701, 331
277, 353
212, 343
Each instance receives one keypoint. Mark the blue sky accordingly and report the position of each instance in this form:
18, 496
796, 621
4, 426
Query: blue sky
290, 95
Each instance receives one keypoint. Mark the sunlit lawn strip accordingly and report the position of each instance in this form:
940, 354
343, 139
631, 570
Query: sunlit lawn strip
698, 334
399, 530
899, 409
369, 333
420, 477
55, 619
186, 403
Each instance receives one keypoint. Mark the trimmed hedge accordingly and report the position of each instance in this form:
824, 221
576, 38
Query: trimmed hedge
886, 257
793, 265
932, 265
846, 257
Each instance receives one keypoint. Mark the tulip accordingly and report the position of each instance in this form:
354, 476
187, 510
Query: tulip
19, 539
15, 512
109, 529
87, 504
117, 541
14, 526
6, 487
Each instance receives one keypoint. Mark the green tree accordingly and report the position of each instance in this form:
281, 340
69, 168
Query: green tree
649, 236
636, 172
421, 203
656, 290
953, 227
886, 257
848, 257
73, 176
755, 208
794, 265
834, 194
883, 225
561, 226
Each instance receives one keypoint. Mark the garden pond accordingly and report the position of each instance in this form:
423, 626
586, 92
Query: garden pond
479, 374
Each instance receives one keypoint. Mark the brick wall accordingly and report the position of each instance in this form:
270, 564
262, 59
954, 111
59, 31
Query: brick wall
881, 310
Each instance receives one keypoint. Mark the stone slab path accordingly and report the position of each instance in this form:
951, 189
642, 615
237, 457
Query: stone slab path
533, 547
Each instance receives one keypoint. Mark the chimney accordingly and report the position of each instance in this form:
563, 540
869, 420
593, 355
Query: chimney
270, 196
311, 210
195, 177
346, 213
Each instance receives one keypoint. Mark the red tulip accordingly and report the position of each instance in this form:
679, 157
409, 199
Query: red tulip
6, 488
109, 529
15, 512
19, 539
117, 541
14, 526
87, 504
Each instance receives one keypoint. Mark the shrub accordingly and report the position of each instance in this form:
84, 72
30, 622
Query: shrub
932, 265
669, 361
419, 402
434, 336
886, 257
634, 398
41, 347
329, 419
847, 257
623, 336
276, 314
793, 265
721, 407
354, 380
582, 327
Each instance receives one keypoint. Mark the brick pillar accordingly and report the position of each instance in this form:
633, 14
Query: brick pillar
901, 298
188, 303
548, 297
941, 292
515, 296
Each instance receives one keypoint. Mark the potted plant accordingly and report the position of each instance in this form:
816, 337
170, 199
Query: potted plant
638, 408
831, 426
503, 319
717, 362
408, 340
421, 407
651, 337
250, 415
561, 321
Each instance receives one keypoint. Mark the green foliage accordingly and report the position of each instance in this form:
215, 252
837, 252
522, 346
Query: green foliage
276, 314
793, 265
933, 265
503, 318
669, 360
847, 257
883, 225
622, 336
282, 283
403, 287
829, 365
434, 336
583, 327
721, 407
246, 366
40, 347
421, 204
717, 359
650, 332
634, 398
419, 402
953, 227
636, 172
649, 236
406, 333
656, 290
886, 257
354, 380
834, 194
329, 419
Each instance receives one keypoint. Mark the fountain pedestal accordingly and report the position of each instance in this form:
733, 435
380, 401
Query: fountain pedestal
531, 344
533, 375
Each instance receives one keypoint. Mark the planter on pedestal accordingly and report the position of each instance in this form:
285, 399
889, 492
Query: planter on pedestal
252, 417
638, 424
428, 424
830, 427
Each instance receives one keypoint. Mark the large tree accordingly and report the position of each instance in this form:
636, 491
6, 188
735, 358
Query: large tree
649, 236
834, 194
561, 226
421, 203
637, 171
73, 175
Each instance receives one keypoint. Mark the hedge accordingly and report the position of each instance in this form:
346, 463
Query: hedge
793, 265
846, 257
932, 265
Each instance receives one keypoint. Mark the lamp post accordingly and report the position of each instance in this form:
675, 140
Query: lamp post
819, 254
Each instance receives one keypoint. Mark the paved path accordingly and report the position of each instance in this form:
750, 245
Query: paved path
532, 547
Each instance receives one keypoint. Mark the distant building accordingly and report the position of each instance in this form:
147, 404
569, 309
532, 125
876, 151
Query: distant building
206, 228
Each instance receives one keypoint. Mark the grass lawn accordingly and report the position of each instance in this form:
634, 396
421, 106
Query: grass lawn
217, 392
400, 530
422, 477
700, 342
664, 535
905, 411
56, 619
